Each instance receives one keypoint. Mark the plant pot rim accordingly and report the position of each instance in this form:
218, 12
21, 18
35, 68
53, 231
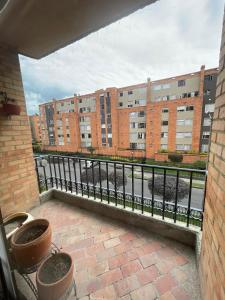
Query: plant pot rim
62, 278
23, 228
15, 215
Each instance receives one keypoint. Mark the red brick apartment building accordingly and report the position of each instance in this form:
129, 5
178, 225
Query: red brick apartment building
35, 128
172, 114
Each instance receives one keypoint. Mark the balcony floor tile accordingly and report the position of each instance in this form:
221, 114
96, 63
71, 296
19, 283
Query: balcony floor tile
115, 261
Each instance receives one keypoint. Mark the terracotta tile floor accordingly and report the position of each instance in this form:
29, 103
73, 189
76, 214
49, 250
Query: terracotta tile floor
115, 261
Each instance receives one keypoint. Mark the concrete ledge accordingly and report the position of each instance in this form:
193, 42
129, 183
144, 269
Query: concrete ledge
164, 228
46, 196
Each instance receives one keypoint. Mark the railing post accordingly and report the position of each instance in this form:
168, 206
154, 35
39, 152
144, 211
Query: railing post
50, 168
142, 189
38, 179
189, 201
176, 198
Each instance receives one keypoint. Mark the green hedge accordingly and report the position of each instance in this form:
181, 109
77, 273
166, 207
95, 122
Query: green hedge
197, 165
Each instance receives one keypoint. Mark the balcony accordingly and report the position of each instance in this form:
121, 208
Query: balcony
124, 245
114, 260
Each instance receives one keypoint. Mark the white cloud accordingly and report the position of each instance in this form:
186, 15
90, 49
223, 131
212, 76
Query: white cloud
167, 38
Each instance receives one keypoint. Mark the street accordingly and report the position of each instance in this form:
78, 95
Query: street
196, 195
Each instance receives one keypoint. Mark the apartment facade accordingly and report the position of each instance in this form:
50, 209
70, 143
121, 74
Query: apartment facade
137, 121
35, 128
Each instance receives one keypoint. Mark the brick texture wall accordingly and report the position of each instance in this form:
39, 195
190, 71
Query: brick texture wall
212, 259
18, 184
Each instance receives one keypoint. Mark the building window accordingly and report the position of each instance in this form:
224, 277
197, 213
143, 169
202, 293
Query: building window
189, 108
141, 125
157, 99
165, 86
181, 83
72, 102
207, 92
121, 94
89, 135
205, 148
133, 114
136, 102
172, 97
186, 122
207, 122
181, 108
68, 135
141, 146
142, 102
141, 113
165, 110
157, 87
205, 135
133, 145
165, 123
182, 135
183, 147
163, 146
130, 105
120, 104
209, 108
209, 77
83, 136
133, 125
80, 100
130, 92
165, 98
164, 134
185, 108
141, 135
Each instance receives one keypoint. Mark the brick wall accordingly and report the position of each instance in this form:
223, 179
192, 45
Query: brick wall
212, 259
18, 184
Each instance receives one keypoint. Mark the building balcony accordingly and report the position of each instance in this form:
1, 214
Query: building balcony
116, 260
124, 245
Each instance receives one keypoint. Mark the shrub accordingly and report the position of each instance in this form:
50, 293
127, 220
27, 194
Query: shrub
36, 148
118, 181
170, 190
200, 164
175, 157
87, 176
163, 151
91, 149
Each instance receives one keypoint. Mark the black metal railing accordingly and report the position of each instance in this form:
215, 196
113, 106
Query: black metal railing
142, 187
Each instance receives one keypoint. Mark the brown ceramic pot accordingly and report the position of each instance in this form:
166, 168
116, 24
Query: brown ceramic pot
54, 276
31, 243
14, 221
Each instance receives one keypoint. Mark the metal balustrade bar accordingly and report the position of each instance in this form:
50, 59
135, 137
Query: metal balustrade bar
116, 182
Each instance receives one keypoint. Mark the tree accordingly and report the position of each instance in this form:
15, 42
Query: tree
117, 181
175, 157
170, 187
93, 176
91, 150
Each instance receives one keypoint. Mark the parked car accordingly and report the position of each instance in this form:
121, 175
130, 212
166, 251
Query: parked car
90, 164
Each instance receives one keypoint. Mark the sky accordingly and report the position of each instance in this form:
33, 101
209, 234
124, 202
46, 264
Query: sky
167, 38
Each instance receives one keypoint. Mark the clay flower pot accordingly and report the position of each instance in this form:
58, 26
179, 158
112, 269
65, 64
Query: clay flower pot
54, 276
31, 243
10, 109
14, 221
